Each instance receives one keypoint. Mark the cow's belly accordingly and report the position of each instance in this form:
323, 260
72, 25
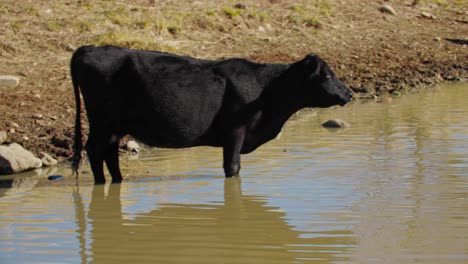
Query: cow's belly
169, 135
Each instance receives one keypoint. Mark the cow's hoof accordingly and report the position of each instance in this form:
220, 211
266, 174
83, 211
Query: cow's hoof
99, 182
116, 180
230, 175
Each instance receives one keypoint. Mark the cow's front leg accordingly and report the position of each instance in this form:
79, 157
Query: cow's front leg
231, 151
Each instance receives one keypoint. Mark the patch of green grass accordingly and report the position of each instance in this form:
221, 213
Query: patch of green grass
31, 10
261, 16
17, 25
297, 8
293, 19
325, 8
308, 13
163, 25
231, 12
86, 4
4, 9
210, 12
53, 25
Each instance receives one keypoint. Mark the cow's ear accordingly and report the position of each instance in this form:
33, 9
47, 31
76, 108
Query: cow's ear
313, 64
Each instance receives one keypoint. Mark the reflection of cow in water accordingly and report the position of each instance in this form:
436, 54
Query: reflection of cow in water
242, 230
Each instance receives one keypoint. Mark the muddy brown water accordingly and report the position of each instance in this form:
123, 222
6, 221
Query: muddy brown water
392, 188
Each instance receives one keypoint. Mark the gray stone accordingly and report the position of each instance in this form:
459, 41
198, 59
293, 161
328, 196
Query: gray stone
385, 8
3, 136
47, 160
132, 146
14, 158
9, 80
336, 123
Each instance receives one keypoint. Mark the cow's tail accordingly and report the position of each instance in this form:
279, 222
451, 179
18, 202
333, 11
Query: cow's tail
78, 140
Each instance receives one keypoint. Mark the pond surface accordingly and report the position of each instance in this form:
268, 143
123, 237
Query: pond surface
392, 188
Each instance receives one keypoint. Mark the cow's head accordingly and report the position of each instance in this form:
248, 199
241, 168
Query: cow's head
320, 86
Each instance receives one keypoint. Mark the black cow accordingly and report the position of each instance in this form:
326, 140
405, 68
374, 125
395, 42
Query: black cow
173, 101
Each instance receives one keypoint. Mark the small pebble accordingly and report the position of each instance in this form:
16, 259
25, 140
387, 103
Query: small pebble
427, 15
132, 146
387, 9
38, 116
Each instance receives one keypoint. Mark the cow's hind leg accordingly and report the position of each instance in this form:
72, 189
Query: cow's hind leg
96, 150
112, 159
103, 147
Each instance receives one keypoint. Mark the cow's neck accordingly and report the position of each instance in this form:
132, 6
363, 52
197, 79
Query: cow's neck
276, 111
276, 105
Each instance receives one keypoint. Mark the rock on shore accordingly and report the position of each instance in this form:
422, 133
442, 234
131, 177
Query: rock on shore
47, 160
9, 81
14, 158
335, 123
3, 136
132, 146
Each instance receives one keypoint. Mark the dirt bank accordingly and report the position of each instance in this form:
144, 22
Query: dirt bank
374, 52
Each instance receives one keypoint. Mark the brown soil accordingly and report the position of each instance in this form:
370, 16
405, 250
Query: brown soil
375, 53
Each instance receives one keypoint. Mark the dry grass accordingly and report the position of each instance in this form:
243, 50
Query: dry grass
209, 28
178, 26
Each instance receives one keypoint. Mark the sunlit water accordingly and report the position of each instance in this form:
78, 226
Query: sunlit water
392, 188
